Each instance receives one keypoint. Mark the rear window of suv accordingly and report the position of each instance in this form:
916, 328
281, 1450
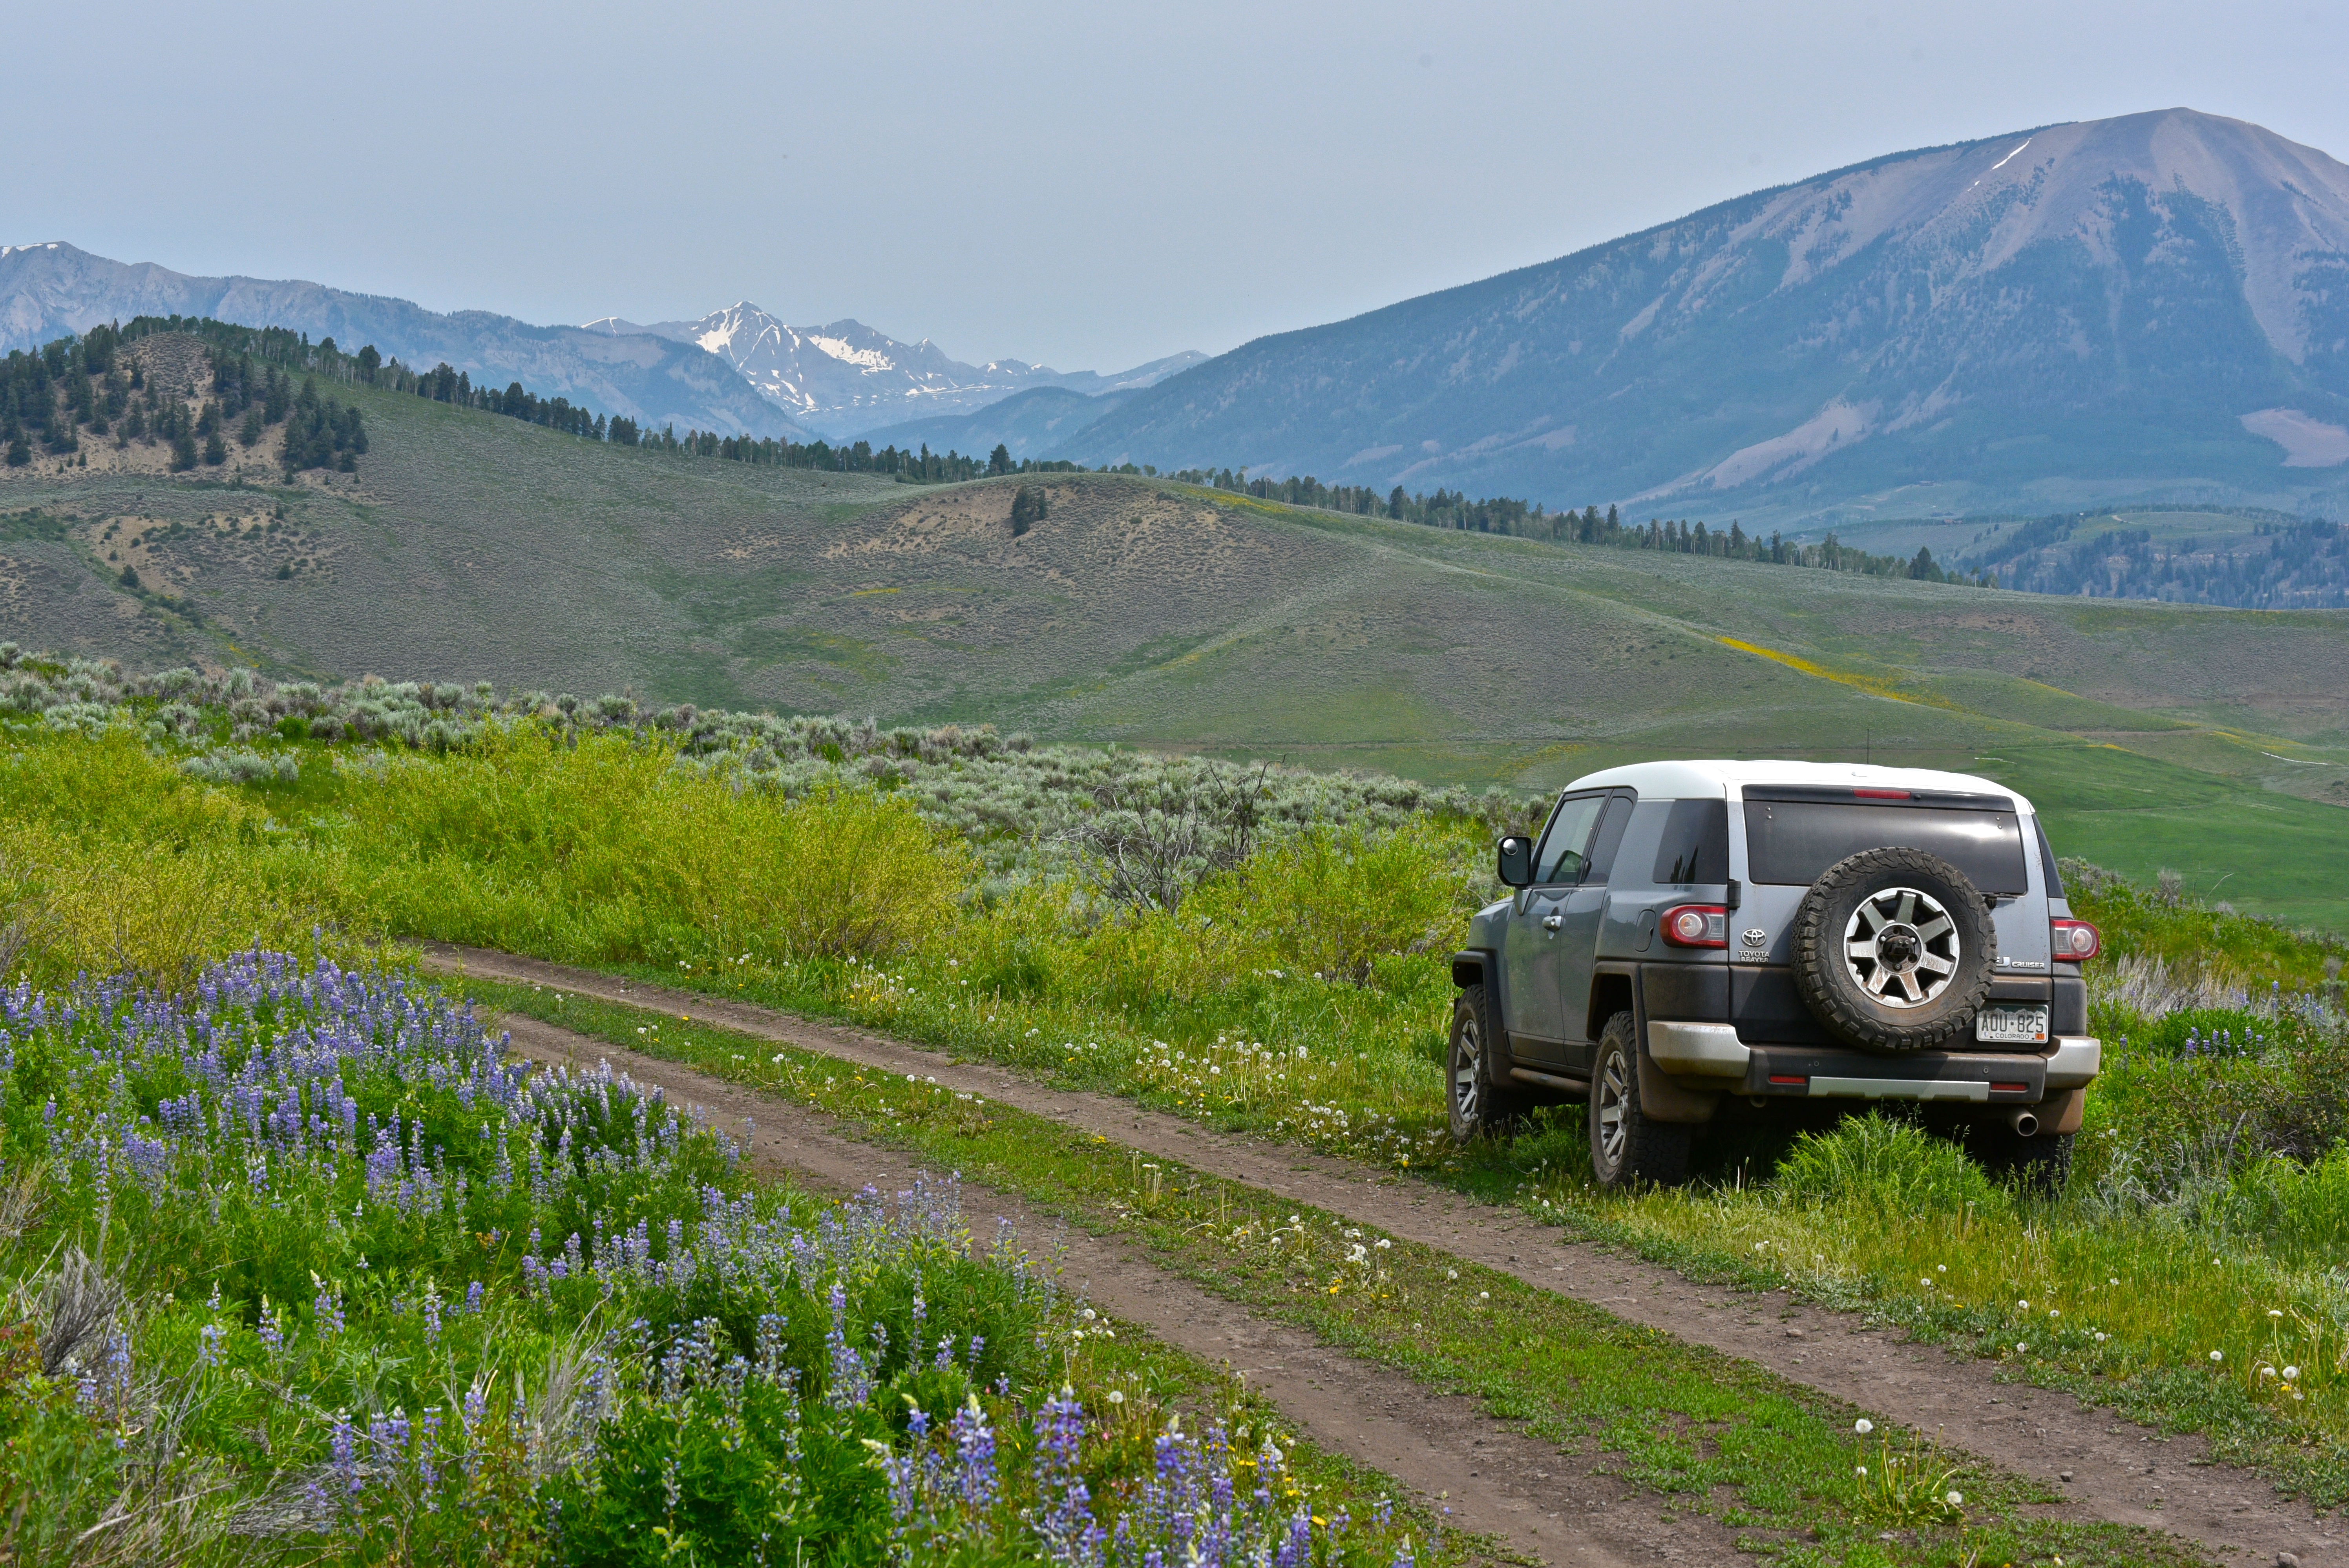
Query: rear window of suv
1792, 835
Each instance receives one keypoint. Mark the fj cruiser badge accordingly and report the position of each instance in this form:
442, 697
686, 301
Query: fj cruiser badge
1754, 938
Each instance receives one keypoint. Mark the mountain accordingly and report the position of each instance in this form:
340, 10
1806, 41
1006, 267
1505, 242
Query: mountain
1032, 424
845, 379
2154, 307
49, 290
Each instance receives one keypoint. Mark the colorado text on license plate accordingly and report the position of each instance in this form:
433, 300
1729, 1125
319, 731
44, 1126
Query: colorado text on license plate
2012, 1025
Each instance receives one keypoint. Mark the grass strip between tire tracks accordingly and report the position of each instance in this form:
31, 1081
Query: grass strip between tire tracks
1699, 1431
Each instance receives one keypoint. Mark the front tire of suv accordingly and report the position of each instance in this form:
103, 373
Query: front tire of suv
1626, 1144
1476, 1104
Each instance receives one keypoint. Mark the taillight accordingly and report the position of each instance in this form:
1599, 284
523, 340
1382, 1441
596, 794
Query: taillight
1697, 925
2074, 941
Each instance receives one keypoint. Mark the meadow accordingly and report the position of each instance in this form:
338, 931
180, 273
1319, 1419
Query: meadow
1147, 613
1259, 948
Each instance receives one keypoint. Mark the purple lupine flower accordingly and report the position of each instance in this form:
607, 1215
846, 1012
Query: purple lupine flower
428, 1471
974, 1441
343, 1449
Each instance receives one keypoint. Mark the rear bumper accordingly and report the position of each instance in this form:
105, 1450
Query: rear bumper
1711, 1056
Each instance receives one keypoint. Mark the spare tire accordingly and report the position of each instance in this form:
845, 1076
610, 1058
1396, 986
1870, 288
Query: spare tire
1893, 951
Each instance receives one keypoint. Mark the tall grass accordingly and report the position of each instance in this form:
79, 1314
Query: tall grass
599, 848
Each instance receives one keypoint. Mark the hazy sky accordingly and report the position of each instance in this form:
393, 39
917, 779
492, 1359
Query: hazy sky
1083, 185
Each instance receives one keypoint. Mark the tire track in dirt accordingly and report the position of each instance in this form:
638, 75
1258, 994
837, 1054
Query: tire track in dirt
1549, 1506
2120, 1471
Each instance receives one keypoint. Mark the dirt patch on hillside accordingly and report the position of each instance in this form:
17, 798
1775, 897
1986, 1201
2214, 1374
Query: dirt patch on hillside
1550, 1506
1092, 539
2118, 1470
173, 363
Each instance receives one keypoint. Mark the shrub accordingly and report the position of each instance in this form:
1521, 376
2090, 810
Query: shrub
242, 767
1332, 901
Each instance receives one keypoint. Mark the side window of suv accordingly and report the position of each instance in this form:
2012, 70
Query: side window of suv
1609, 838
1560, 858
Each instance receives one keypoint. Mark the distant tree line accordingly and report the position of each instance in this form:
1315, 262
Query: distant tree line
1531, 519
2283, 563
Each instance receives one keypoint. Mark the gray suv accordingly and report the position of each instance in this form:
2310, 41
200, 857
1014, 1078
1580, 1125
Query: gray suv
1689, 942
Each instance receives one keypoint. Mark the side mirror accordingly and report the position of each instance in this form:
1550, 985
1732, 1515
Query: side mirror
1516, 857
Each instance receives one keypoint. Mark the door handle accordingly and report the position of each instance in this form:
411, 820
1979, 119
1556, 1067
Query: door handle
1553, 923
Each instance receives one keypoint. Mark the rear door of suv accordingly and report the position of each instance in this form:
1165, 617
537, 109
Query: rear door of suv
1784, 836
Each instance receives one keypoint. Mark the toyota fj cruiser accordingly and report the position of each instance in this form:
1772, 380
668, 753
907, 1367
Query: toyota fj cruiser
1688, 942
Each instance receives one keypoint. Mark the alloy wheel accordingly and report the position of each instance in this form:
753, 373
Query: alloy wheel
1900, 947
1610, 1103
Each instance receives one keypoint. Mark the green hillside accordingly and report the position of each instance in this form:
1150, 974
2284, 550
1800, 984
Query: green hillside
470, 546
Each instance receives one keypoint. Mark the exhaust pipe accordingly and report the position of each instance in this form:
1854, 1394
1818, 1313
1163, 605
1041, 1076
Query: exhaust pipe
2024, 1121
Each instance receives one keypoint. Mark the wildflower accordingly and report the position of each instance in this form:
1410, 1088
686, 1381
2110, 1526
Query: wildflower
2100, 1339
1956, 1499
1861, 1470
1863, 1426
2275, 1312
2021, 1348
1117, 1396
2218, 1356
2292, 1374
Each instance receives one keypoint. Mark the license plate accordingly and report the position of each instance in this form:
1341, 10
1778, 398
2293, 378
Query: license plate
2012, 1025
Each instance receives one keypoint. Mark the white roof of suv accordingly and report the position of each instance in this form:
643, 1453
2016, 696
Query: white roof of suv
1701, 780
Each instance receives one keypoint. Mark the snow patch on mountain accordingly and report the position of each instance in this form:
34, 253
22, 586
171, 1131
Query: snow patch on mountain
845, 378
2308, 442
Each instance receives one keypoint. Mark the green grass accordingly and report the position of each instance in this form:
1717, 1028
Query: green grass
1684, 1424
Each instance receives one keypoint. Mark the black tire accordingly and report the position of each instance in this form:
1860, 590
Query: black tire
1916, 978
1476, 1104
2041, 1166
1626, 1144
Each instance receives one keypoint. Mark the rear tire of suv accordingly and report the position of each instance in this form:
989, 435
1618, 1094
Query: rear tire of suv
1626, 1144
1475, 1103
1893, 951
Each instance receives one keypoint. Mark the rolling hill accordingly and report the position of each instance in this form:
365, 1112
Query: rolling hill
473, 547
2150, 309
49, 290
